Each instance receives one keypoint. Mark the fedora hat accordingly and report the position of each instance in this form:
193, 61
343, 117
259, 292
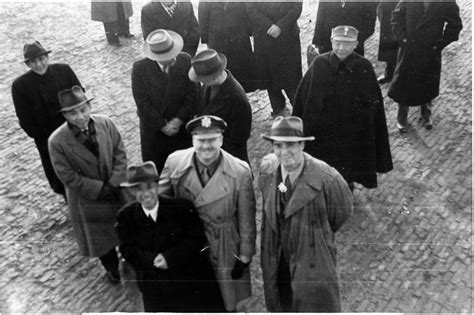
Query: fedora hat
207, 65
162, 45
287, 129
142, 173
72, 98
344, 33
33, 50
206, 126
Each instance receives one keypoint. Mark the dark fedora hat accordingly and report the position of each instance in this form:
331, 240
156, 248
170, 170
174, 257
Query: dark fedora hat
287, 129
207, 65
206, 126
162, 45
72, 98
142, 173
33, 50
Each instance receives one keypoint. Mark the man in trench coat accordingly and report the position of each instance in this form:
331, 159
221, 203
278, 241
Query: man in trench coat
220, 187
164, 95
341, 105
422, 29
89, 157
162, 239
277, 49
35, 96
305, 202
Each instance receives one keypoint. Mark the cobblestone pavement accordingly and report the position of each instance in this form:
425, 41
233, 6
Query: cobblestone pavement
407, 247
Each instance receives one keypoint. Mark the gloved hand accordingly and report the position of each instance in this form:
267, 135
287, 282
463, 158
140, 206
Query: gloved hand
238, 270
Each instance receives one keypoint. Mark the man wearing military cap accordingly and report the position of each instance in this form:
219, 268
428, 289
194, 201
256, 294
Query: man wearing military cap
35, 96
162, 239
220, 187
341, 105
89, 158
305, 201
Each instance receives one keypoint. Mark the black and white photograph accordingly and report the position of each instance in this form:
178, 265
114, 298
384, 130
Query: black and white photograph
191, 156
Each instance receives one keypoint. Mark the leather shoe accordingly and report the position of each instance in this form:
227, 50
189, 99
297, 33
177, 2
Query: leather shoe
129, 35
383, 79
428, 124
113, 276
401, 128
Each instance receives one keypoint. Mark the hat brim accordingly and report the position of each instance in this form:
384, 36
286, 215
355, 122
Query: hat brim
193, 76
170, 54
66, 109
44, 53
133, 184
287, 139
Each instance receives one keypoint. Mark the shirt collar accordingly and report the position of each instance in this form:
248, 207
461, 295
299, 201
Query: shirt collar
153, 212
335, 62
211, 167
293, 175
76, 131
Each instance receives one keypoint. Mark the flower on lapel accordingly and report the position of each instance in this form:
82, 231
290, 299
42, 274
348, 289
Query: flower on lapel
206, 122
282, 188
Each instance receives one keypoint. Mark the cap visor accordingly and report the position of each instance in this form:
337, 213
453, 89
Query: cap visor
287, 139
201, 136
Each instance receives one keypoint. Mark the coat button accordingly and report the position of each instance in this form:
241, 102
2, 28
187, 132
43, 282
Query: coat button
312, 266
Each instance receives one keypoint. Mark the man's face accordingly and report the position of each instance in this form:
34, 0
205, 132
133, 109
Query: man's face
342, 48
289, 154
79, 116
207, 150
146, 194
39, 64
167, 63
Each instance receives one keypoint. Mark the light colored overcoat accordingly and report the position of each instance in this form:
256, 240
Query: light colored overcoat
83, 175
226, 205
320, 203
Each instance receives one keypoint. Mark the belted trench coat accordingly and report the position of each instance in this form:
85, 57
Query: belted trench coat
320, 204
226, 205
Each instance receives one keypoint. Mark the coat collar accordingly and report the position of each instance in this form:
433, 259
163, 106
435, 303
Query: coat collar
334, 62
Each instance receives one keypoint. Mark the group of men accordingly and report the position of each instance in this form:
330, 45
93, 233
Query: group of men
186, 222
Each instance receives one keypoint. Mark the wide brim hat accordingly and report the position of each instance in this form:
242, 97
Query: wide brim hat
207, 65
72, 98
33, 50
287, 129
344, 33
163, 45
143, 173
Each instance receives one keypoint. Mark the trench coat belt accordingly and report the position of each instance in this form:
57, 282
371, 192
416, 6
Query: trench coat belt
223, 243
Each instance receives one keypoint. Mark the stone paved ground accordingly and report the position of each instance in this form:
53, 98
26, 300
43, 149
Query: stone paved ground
407, 247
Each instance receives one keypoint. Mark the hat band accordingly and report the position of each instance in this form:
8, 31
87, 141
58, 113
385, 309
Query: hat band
162, 51
142, 178
286, 132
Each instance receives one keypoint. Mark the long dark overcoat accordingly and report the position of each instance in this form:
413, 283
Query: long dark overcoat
422, 36
320, 204
361, 15
278, 59
37, 107
225, 27
159, 98
388, 46
231, 104
106, 12
83, 174
189, 283
183, 22
342, 107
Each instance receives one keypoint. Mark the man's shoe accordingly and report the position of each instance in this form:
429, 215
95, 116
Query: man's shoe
383, 79
129, 35
113, 276
401, 128
428, 124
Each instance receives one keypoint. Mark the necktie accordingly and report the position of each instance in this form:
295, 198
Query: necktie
286, 195
151, 217
205, 176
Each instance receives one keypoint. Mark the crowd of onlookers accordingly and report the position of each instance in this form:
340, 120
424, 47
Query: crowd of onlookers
184, 219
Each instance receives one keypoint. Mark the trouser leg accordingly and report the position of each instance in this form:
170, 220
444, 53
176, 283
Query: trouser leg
402, 115
54, 182
111, 30
123, 22
426, 111
284, 286
277, 99
389, 69
290, 93
110, 260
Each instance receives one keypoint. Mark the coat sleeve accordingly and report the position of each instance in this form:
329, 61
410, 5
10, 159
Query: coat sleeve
146, 20
258, 17
148, 113
119, 167
27, 120
246, 211
186, 251
398, 21
318, 39
453, 24
290, 18
188, 108
69, 175
240, 127
204, 16
339, 201
369, 16
133, 253
191, 41
165, 187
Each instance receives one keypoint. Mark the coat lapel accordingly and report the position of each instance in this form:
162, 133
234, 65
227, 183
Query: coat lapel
425, 16
80, 151
271, 200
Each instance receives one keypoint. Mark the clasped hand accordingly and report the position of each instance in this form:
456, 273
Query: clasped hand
274, 31
160, 262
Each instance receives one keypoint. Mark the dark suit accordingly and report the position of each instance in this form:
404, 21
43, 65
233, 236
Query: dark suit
188, 284
159, 98
183, 22
36, 104
231, 104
